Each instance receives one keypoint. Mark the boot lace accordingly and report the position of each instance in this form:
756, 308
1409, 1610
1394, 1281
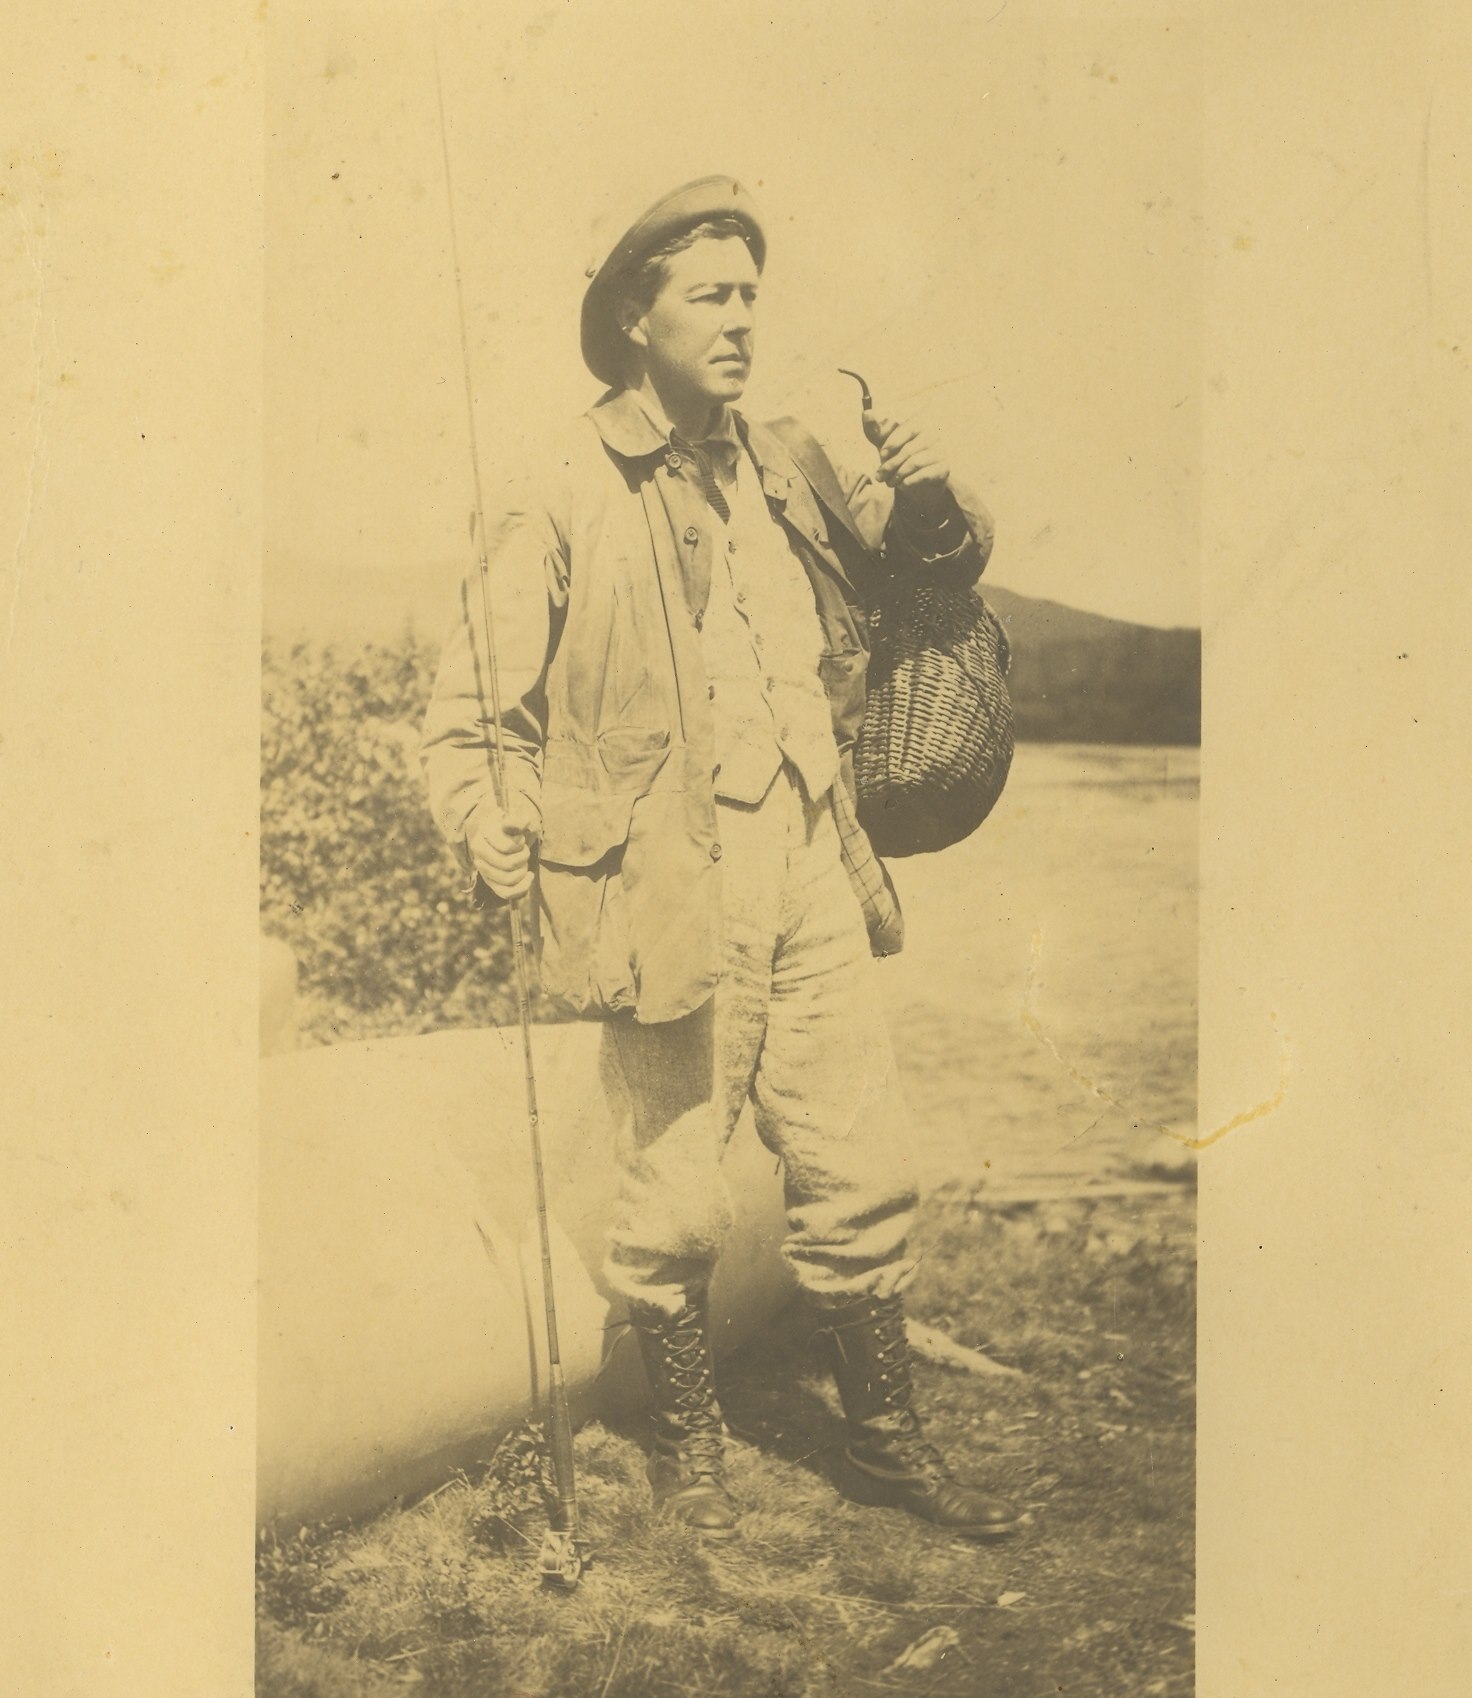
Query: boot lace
687, 1362
897, 1389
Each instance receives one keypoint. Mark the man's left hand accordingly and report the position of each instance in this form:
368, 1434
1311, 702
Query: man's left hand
915, 465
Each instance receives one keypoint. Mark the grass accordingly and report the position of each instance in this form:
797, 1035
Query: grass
1093, 1300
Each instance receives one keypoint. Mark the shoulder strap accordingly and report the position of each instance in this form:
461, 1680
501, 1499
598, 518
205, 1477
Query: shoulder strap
807, 454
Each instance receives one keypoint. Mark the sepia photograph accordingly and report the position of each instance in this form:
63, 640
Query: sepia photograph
733, 952
730, 766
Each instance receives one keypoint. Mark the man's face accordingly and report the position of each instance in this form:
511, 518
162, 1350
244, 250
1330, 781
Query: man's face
696, 335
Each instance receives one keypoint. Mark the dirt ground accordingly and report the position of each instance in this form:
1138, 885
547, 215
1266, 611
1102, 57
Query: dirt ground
1092, 1300
1045, 1013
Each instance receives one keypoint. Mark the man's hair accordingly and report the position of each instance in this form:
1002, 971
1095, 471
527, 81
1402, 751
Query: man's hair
645, 281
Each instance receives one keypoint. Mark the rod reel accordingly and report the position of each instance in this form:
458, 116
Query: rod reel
563, 1558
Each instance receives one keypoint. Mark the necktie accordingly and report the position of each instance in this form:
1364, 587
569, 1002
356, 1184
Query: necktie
705, 455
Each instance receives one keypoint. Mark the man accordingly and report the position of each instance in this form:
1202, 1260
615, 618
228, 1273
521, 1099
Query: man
682, 632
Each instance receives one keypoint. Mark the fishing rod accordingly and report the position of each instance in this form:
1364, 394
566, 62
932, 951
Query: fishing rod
564, 1552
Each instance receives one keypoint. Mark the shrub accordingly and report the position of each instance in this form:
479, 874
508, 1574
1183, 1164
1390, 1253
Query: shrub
354, 876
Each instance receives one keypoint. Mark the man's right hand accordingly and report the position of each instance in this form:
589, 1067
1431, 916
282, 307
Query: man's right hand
500, 844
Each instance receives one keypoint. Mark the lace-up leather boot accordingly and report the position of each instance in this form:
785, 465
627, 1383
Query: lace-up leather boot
687, 1467
888, 1461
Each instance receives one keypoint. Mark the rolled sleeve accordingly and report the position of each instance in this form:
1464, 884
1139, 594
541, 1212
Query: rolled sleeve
960, 545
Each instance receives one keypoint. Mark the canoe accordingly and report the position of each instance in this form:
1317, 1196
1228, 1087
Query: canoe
400, 1322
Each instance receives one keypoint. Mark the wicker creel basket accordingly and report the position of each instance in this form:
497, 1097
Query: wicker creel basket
936, 742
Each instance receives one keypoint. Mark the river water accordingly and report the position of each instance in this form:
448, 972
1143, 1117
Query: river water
1044, 1005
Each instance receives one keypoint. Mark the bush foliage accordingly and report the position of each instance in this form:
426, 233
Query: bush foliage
354, 875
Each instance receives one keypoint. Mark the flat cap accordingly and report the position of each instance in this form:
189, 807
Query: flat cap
691, 203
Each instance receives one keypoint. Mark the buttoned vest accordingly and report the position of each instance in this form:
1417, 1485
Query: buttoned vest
761, 641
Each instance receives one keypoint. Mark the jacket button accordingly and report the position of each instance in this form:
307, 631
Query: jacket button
715, 851
716, 770
674, 462
699, 621
691, 534
710, 691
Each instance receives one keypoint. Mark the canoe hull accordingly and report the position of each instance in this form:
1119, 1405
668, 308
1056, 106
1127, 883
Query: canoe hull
400, 1318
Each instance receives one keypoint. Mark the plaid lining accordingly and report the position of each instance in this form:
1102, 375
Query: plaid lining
866, 874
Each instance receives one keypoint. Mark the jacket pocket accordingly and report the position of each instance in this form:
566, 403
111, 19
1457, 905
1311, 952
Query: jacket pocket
588, 796
580, 827
839, 667
843, 672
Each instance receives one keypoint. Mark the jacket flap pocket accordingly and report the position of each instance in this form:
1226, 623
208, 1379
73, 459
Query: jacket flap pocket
840, 666
589, 791
630, 758
623, 758
579, 827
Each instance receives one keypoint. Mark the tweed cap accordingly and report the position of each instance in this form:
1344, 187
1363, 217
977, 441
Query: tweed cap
691, 203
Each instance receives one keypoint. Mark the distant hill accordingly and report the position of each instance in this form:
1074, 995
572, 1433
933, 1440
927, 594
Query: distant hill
1083, 678
1076, 677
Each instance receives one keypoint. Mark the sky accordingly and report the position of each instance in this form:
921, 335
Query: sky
995, 215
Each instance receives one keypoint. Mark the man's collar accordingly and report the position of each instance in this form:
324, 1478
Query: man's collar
722, 442
632, 425
625, 423
621, 420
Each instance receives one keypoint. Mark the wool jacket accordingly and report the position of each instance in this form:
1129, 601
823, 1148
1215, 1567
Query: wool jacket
600, 573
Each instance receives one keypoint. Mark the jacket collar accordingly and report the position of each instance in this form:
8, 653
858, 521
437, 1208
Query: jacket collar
785, 485
781, 479
628, 430
627, 427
